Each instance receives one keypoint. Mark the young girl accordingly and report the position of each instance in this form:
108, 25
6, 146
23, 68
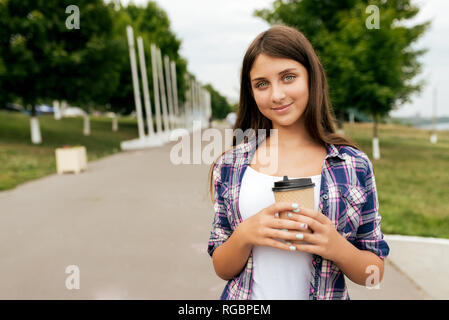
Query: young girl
304, 256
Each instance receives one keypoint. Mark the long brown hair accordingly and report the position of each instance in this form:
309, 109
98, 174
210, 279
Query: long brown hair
285, 42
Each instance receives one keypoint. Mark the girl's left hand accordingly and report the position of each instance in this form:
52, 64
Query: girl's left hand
324, 240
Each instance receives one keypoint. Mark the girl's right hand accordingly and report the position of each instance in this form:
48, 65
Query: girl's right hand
263, 228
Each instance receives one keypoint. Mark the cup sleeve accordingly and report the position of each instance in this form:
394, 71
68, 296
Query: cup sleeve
221, 228
369, 235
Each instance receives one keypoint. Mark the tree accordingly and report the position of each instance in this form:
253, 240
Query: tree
220, 106
367, 69
44, 59
4, 94
384, 63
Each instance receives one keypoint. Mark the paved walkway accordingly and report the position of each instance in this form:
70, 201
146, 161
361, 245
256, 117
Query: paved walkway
137, 227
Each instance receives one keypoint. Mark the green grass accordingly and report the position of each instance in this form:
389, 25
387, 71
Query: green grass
412, 175
21, 161
412, 178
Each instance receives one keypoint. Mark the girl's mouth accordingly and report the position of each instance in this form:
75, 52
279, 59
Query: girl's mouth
282, 109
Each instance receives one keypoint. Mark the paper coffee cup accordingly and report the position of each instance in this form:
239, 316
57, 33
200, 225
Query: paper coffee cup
300, 191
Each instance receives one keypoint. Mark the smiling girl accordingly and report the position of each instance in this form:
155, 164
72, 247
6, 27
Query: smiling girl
283, 87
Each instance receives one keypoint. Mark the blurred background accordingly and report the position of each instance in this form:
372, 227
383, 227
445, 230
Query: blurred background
385, 61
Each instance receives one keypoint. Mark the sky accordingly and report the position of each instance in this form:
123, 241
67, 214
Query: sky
215, 35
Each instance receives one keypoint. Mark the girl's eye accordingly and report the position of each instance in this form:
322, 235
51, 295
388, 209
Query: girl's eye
259, 85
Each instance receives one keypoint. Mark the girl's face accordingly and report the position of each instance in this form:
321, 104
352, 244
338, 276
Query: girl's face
280, 89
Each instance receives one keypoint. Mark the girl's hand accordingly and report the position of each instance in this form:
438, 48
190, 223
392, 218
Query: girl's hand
265, 227
324, 240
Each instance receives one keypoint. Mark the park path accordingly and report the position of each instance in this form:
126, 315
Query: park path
137, 227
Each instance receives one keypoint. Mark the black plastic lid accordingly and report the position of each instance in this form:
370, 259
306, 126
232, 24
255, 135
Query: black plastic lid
293, 184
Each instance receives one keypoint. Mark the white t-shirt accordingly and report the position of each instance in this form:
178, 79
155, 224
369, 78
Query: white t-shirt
277, 274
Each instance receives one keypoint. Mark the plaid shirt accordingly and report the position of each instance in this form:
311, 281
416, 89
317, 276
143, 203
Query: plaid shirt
348, 197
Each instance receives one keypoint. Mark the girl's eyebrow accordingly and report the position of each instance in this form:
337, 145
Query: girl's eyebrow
283, 71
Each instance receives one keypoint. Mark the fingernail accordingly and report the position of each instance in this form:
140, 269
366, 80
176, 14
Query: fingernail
300, 236
292, 248
296, 210
284, 230
289, 215
276, 215
294, 205
289, 243
303, 225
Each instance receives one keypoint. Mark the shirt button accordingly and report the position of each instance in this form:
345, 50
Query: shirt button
325, 197
318, 260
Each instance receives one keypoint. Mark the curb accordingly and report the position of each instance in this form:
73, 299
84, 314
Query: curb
417, 239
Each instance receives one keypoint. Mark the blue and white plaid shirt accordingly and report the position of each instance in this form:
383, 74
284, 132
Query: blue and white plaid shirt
348, 197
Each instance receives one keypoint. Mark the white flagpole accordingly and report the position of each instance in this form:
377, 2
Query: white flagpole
169, 90
146, 92
132, 56
157, 104
163, 94
188, 102
175, 87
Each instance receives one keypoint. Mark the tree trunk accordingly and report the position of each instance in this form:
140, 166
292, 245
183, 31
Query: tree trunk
340, 120
35, 130
56, 110
33, 110
86, 129
115, 123
376, 149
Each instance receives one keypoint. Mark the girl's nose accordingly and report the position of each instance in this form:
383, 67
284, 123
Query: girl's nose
277, 94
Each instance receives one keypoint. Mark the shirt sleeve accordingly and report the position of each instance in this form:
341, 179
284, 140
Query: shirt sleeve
221, 229
369, 235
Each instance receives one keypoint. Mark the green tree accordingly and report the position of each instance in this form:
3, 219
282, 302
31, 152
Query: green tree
383, 60
220, 105
4, 94
44, 59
